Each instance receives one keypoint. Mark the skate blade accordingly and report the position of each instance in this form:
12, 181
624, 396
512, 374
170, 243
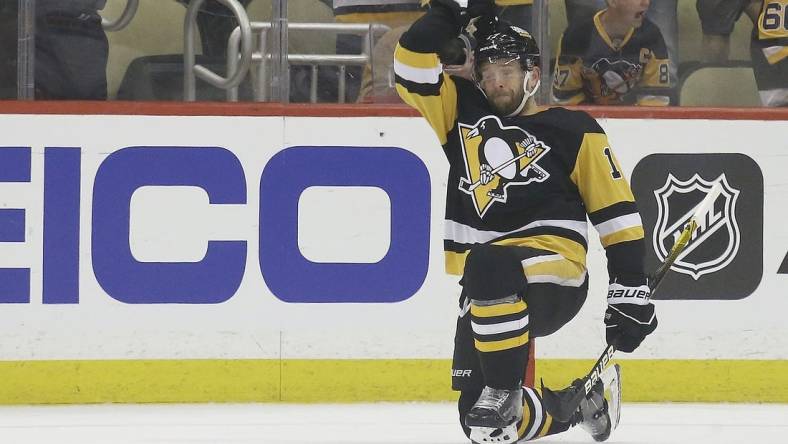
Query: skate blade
611, 378
484, 435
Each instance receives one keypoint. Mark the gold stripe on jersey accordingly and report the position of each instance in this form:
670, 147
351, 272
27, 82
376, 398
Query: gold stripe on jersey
439, 110
603, 33
393, 19
490, 311
774, 54
567, 248
625, 235
594, 174
505, 344
601, 183
574, 254
416, 59
563, 269
455, 262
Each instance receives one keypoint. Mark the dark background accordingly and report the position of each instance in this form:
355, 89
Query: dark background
742, 276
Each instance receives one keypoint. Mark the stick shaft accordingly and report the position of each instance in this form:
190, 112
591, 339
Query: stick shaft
700, 211
476, 184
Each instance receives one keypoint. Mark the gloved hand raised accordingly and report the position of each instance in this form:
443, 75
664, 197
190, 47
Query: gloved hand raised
630, 315
464, 10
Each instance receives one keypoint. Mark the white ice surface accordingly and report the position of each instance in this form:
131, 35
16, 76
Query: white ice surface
365, 423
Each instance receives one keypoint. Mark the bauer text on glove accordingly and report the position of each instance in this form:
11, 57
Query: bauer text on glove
629, 317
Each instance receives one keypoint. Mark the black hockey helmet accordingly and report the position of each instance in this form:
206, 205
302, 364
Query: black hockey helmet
506, 42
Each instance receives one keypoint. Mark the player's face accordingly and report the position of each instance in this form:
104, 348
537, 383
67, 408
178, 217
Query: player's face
503, 84
633, 11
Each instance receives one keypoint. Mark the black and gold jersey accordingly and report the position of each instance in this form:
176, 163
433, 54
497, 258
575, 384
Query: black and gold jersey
390, 12
592, 68
772, 30
525, 180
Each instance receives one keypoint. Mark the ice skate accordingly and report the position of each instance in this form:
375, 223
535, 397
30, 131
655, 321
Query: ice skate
599, 411
493, 419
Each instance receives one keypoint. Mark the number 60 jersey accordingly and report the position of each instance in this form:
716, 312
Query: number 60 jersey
526, 180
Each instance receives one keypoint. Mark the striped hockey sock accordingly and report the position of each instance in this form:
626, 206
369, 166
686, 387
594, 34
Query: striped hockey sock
536, 421
500, 332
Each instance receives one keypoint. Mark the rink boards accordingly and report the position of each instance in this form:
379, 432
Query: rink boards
269, 258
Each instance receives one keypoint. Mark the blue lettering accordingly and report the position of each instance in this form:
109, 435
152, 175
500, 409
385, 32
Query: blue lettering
14, 282
12, 225
212, 280
396, 277
61, 225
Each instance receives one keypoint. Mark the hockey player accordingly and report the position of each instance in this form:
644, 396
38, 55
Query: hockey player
768, 44
617, 57
521, 183
769, 50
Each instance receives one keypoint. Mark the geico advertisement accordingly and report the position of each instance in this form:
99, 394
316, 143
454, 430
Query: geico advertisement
265, 237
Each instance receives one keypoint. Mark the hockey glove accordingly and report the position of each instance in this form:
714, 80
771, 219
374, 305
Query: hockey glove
629, 317
464, 10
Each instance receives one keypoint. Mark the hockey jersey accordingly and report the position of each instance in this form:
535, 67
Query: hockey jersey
549, 170
390, 11
592, 68
772, 30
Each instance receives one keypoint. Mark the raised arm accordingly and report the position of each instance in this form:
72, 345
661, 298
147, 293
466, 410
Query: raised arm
420, 79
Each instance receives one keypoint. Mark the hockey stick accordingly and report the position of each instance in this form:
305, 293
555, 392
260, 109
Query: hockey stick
562, 404
468, 187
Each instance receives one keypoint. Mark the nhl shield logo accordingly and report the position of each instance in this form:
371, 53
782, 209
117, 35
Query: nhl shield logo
716, 242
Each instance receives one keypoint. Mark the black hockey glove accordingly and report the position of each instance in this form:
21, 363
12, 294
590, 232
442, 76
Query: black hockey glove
629, 317
464, 14
484, 26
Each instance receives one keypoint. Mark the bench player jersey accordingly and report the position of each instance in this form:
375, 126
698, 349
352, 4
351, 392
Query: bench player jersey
772, 33
391, 12
549, 170
591, 68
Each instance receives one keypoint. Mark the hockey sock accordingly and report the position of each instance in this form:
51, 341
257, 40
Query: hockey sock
500, 333
536, 422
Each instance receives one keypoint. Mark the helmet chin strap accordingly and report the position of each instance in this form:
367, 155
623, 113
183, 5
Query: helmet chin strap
526, 94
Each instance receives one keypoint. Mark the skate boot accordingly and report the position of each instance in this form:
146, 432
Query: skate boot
493, 419
592, 415
595, 415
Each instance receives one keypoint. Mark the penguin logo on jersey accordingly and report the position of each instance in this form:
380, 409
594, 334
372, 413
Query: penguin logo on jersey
718, 232
617, 77
497, 157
